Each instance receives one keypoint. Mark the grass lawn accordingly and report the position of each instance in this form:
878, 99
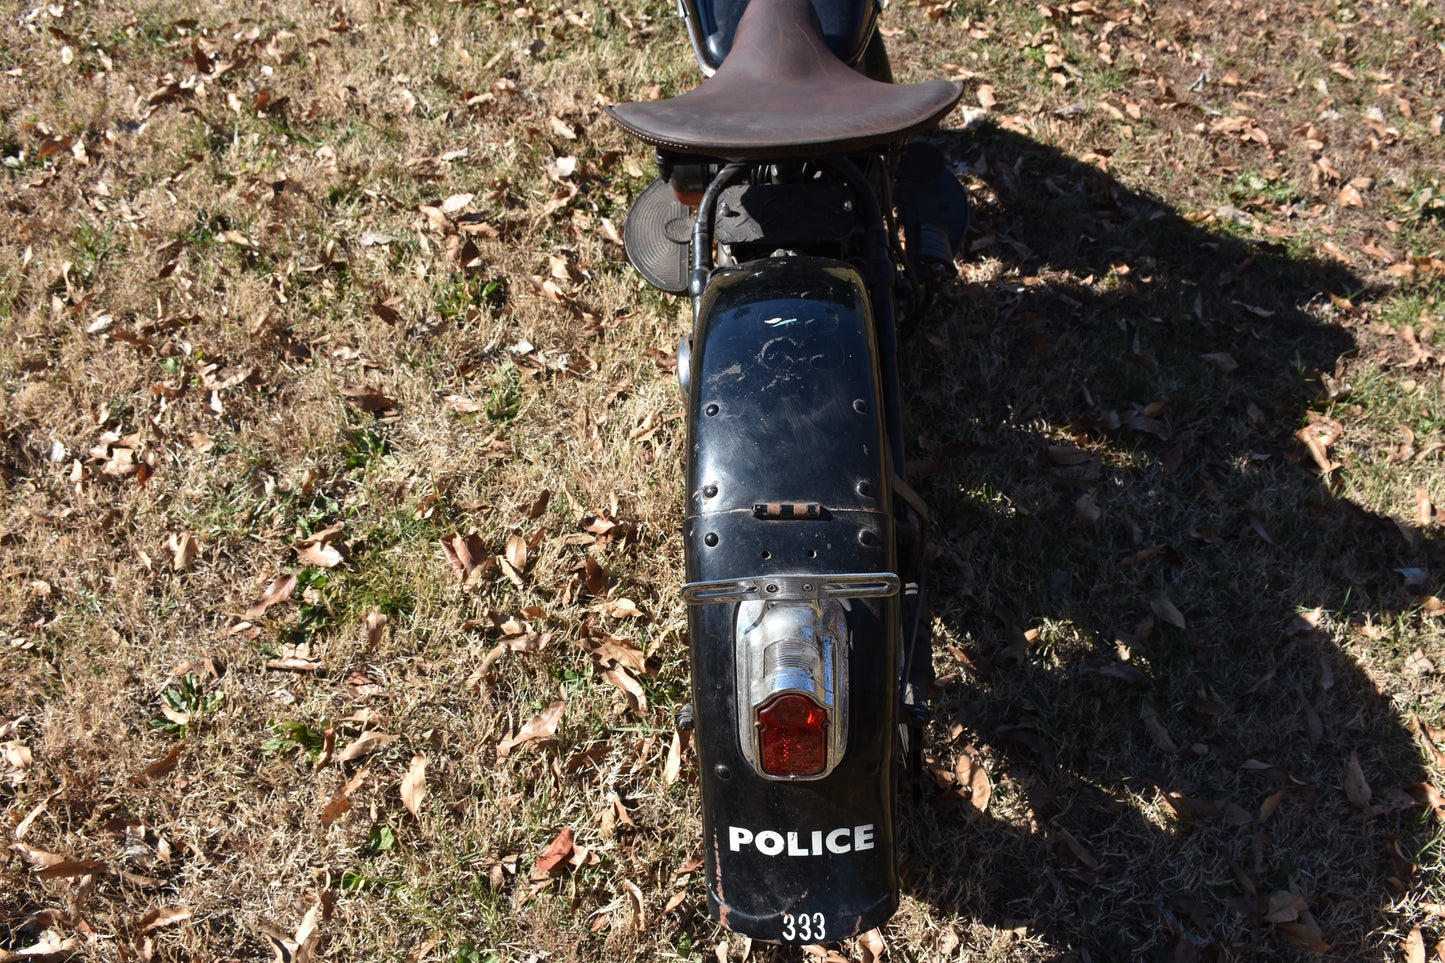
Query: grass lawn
340, 487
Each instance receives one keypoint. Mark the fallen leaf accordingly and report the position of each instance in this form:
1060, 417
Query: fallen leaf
1304, 935
1270, 804
279, 590
365, 744
157, 918
1415, 946
596, 576
555, 856
1357, 788
986, 98
369, 398
1284, 907
413, 785
340, 802
184, 549
375, 627
673, 767
629, 687
465, 552
163, 766
637, 920
1165, 609
871, 946
70, 868
516, 553
321, 556
540, 727
560, 168
1078, 849
1427, 795
1157, 733
1222, 360
1418, 663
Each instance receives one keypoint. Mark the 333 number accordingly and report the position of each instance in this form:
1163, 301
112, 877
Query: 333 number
804, 926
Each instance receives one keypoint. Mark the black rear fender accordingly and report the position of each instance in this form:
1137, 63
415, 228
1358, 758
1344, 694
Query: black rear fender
786, 476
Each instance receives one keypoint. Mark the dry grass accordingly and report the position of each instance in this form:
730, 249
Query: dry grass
1105, 409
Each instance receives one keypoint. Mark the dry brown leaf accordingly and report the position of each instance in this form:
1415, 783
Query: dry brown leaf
1222, 360
673, 767
596, 576
1424, 511
413, 785
555, 857
365, 744
608, 650
1304, 935
1427, 795
375, 627
1165, 609
540, 727
161, 767
279, 590
1357, 788
516, 553
36, 857
1284, 907
1078, 849
1157, 733
184, 549
340, 802
986, 98
629, 687
70, 868
1270, 804
464, 552
1415, 946
637, 919
1088, 510
321, 556
871, 947
625, 609
369, 398
157, 918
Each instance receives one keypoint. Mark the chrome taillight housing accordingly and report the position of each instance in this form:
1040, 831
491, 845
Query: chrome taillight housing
792, 680
791, 647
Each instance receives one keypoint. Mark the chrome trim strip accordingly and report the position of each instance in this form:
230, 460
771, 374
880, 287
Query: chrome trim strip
855, 585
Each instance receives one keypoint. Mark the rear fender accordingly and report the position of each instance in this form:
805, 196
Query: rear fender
786, 477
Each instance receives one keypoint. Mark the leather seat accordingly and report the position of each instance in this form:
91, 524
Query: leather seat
782, 93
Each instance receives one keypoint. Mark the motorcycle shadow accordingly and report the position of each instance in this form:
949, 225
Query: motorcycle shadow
1174, 647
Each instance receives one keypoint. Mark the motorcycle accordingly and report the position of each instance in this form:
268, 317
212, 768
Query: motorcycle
808, 231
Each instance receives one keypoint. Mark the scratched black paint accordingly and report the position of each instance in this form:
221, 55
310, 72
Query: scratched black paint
785, 348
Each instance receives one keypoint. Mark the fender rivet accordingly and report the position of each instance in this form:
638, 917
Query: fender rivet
860, 406
723, 772
711, 410
711, 539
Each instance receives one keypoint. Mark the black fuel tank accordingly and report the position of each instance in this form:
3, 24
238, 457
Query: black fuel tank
847, 24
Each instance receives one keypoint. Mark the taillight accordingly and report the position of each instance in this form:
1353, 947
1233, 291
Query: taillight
793, 736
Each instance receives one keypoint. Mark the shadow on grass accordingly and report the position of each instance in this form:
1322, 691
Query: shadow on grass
1180, 360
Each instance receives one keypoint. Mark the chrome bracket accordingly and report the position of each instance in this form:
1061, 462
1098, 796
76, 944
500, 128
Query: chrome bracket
767, 588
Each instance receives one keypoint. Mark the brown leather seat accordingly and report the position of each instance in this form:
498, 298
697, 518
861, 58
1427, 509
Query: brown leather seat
781, 92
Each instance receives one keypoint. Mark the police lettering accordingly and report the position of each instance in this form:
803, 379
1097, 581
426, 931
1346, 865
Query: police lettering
793, 843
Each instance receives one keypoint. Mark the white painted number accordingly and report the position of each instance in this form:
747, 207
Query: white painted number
804, 927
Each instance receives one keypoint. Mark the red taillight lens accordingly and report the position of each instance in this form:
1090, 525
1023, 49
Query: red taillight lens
793, 734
